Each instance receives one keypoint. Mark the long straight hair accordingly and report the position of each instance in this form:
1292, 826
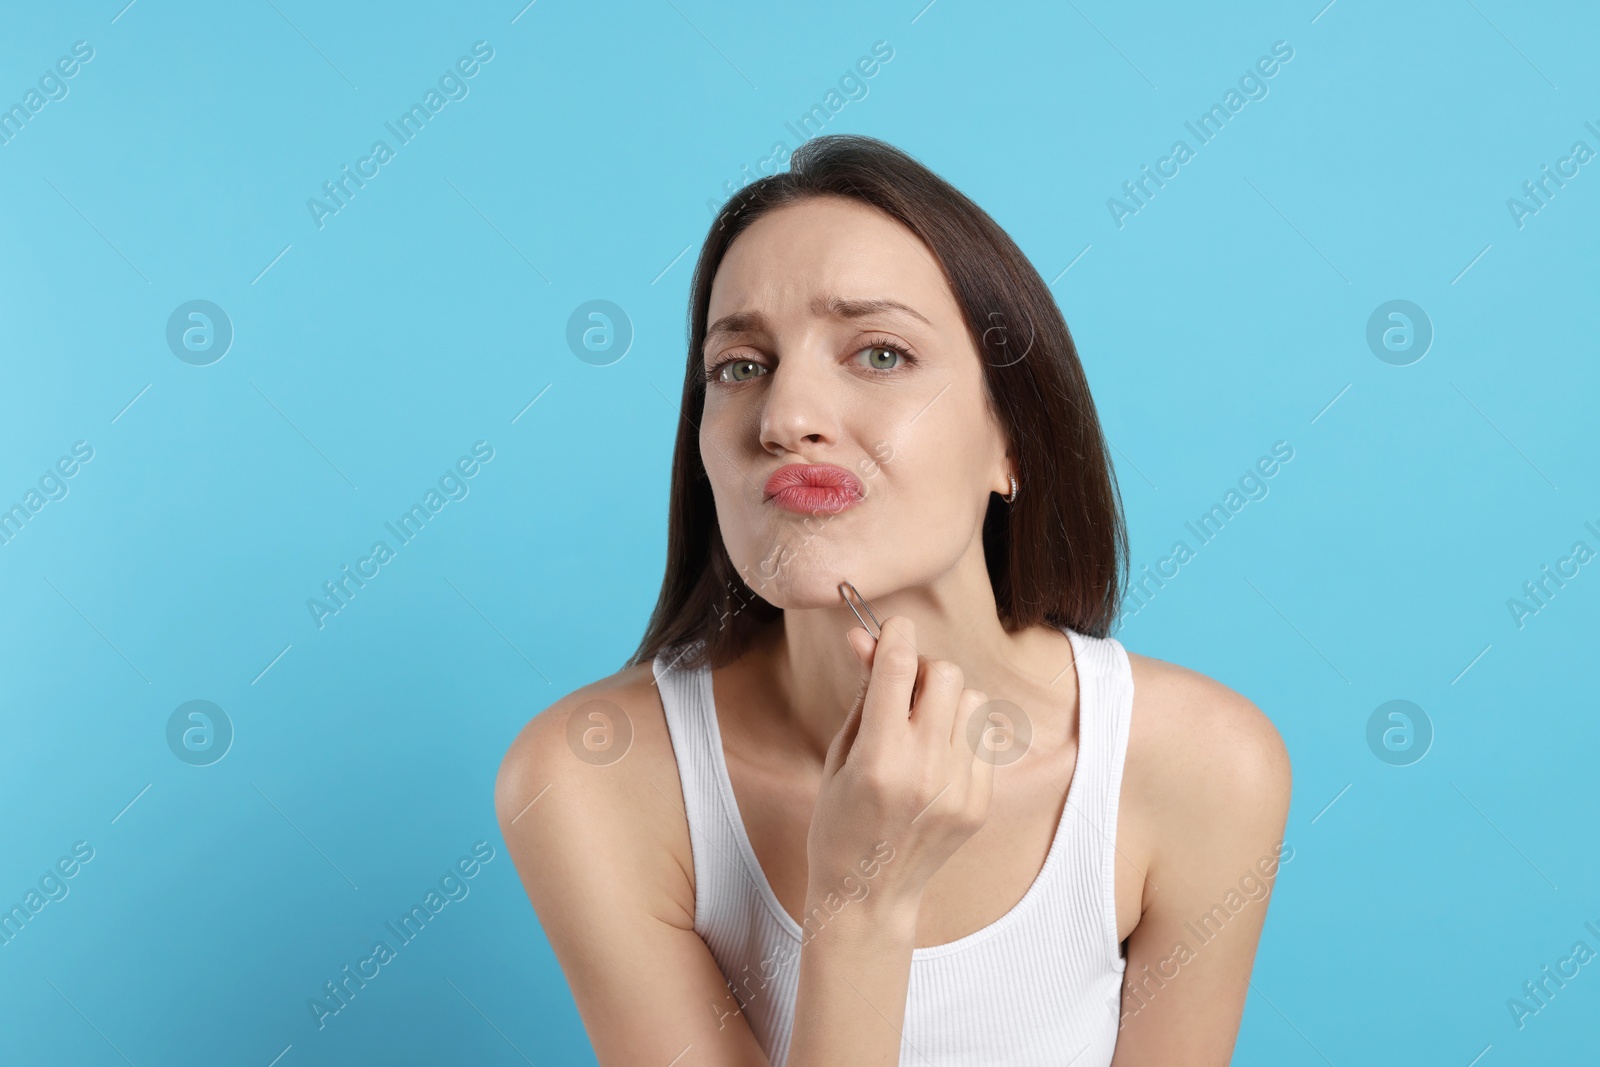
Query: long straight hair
1057, 556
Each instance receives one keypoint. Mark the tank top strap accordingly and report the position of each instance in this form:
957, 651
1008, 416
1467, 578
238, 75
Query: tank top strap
690, 728
1105, 713
735, 914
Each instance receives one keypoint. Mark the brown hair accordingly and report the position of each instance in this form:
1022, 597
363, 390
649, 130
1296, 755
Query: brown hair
1057, 556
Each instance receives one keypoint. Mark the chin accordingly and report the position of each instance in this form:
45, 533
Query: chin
808, 579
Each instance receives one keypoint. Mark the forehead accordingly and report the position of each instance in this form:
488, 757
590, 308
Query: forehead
828, 245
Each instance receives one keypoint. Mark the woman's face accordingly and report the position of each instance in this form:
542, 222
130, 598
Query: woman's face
802, 346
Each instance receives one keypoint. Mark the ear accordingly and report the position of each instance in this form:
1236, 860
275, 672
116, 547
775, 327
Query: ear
1008, 468
1009, 465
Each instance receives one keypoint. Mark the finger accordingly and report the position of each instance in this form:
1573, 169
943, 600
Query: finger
885, 714
961, 727
862, 644
844, 741
935, 710
980, 786
975, 758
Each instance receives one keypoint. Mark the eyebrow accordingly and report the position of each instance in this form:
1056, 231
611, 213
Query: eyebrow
831, 306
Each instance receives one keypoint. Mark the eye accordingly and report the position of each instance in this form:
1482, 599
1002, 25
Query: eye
734, 370
882, 357
885, 355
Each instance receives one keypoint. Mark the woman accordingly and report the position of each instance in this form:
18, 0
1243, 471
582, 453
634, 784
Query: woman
980, 833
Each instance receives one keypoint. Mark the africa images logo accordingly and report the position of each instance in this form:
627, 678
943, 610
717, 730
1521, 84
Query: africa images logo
341, 590
452, 86
453, 886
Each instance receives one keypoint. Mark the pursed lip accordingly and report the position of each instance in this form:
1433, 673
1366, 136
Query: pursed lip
813, 488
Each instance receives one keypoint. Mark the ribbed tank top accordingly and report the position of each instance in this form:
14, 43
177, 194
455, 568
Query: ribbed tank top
1040, 985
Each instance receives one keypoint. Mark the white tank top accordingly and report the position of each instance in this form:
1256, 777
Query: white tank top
1040, 985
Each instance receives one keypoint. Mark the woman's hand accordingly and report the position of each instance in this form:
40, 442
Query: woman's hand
900, 775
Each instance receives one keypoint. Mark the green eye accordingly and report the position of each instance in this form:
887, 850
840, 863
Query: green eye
878, 354
741, 370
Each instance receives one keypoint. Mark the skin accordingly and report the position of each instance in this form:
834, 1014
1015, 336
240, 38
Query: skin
826, 747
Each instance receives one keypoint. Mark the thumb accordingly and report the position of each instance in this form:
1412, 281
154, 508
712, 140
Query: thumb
863, 645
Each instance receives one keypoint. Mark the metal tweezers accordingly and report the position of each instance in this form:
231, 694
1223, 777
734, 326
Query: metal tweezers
875, 632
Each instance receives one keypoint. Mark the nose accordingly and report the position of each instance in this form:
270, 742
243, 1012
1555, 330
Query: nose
801, 405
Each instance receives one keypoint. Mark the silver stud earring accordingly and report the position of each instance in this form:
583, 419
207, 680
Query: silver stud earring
1012, 499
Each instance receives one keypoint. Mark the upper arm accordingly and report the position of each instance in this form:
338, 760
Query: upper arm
594, 845
1212, 779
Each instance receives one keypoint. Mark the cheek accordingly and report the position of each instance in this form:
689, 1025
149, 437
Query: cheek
930, 510
734, 491
717, 447
932, 495
922, 507
726, 442
936, 465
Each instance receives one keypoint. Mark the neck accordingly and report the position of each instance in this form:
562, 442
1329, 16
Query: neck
815, 676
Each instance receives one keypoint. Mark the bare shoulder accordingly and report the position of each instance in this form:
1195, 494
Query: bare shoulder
591, 781
1196, 746
590, 805
1205, 797
610, 714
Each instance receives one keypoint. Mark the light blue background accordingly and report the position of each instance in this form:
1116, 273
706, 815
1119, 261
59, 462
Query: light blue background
1228, 314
